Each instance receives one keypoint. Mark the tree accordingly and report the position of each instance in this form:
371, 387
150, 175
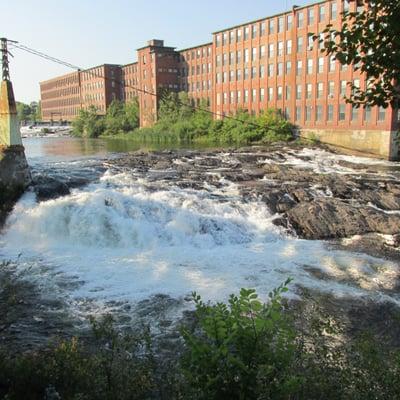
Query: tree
369, 40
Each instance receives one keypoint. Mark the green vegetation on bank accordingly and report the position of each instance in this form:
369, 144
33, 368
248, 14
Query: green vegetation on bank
179, 121
29, 112
243, 349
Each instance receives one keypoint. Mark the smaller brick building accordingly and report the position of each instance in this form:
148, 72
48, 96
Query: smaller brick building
64, 96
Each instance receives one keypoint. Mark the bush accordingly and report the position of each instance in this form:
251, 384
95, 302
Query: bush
244, 350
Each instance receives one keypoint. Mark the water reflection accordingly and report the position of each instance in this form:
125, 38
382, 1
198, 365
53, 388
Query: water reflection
67, 148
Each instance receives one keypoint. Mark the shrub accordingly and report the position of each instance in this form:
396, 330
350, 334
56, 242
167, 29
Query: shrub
244, 350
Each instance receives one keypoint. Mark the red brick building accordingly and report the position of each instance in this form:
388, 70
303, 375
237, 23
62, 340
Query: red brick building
267, 63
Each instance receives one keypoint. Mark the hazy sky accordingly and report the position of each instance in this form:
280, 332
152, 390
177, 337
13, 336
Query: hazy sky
92, 32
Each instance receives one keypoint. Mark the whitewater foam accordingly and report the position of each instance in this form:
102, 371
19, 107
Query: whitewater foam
124, 239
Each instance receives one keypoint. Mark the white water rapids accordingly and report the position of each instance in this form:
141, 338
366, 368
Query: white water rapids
124, 239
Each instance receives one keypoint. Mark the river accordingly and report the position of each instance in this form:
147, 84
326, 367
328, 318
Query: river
124, 236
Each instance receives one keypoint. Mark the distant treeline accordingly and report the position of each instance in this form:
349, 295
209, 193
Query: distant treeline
29, 112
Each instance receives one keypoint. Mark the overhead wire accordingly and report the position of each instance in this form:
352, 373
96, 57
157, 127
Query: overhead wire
17, 45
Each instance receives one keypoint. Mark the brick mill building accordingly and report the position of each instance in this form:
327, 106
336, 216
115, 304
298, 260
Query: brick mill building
268, 63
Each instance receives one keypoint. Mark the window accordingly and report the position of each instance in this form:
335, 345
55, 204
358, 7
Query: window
298, 92
308, 113
342, 112
231, 58
321, 13
232, 100
262, 71
254, 54
225, 77
239, 75
320, 91
238, 57
246, 96
232, 37
253, 72
309, 66
331, 89
300, 20
246, 73
262, 28
346, 5
262, 52
270, 94
239, 35
367, 114
310, 16
271, 26
271, 50
218, 99
262, 95
246, 55
246, 33
321, 41
309, 91
333, 10
343, 87
280, 93
231, 76
288, 92
321, 62
254, 31
310, 44
330, 112
298, 113
270, 70
332, 64
218, 61
381, 114
299, 67
225, 98
280, 69
225, 59
280, 49
239, 96
287, 113
289, 22
281, 23
288, 67
354, 114
288, 47
319, 113
299, 44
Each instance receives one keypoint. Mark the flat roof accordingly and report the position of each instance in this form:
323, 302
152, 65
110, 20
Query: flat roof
127, 65
195, 47
271, 16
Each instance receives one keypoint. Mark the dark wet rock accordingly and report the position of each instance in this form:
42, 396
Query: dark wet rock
47, 188
333, 218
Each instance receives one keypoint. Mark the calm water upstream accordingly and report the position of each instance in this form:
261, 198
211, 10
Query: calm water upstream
122, 235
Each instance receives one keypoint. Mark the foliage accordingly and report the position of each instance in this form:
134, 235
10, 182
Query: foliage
178, 120
244, 350
369, 39
119, 118
120, 368
29, 112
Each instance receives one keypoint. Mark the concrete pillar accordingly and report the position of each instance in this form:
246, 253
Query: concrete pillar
9, 127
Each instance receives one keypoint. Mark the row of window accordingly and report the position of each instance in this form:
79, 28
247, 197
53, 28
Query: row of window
259, 53
196, 54
280, 24
278, 69
282, 93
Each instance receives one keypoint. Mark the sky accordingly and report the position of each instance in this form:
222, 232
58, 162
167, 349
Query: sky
87, 33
